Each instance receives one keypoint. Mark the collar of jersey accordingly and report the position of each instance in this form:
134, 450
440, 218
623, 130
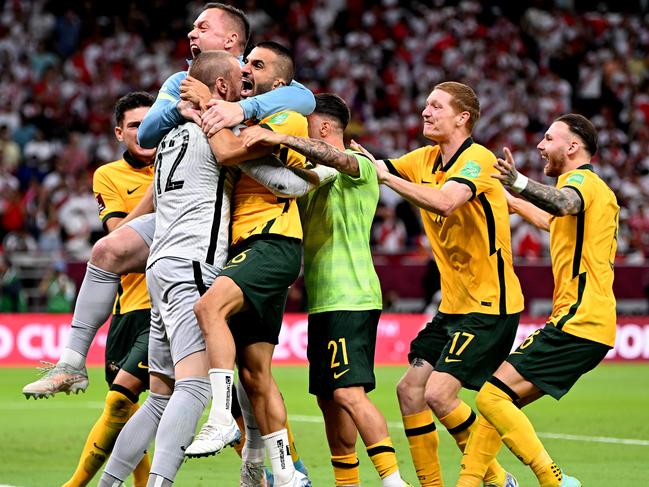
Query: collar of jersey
133, 162
465, 145
587, 167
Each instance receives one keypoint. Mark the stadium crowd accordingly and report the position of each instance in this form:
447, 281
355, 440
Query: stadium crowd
65, 64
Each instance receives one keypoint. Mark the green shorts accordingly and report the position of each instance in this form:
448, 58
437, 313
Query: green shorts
470, 347
341, 350
127, 345
553, 360
263, 269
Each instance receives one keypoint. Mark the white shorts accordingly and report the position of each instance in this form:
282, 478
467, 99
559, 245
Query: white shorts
175, 285
144, 225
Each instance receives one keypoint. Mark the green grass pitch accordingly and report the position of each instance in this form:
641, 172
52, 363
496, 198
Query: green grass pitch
587, 433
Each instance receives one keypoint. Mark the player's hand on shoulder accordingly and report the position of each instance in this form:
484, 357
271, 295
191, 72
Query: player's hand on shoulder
381, 169
189, 111
259, 135
221, 114
195, 91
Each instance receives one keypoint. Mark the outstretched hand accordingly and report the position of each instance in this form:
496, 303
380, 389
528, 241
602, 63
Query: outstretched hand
259, 135
506, 167
381, 168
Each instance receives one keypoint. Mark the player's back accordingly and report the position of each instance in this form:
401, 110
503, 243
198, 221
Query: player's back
192, 198
583, 249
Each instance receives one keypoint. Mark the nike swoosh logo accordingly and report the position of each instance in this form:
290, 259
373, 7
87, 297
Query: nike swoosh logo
517, 353
131, 191
140, 365
98, 447
338, 375
451, 360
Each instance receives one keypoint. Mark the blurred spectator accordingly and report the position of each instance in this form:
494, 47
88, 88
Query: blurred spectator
58, 289
9, 150
390, 232
12, 299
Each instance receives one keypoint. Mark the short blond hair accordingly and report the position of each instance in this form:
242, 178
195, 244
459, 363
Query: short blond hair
464, 100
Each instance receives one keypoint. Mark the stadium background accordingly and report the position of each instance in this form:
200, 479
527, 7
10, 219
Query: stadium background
63, 64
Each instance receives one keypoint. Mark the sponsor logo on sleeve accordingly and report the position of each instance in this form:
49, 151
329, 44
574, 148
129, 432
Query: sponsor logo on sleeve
575, 179
278, 119
471, 170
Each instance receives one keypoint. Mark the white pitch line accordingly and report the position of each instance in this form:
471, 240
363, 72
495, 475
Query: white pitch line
318, 419
553, 436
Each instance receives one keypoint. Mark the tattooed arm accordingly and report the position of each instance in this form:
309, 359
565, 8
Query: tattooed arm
558, 202
317, 151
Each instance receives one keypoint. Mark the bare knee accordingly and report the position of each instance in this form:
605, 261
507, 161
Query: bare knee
411, 396
349, 398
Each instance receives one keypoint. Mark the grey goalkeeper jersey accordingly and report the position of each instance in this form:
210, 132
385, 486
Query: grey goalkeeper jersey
192, 198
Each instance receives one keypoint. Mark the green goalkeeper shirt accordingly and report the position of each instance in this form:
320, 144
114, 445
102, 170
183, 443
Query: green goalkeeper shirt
337, 218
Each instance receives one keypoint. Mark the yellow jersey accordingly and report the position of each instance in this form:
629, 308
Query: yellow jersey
583, 249
118, 188
255, 210
472, 246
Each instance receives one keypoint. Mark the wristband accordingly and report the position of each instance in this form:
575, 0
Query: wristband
520, 184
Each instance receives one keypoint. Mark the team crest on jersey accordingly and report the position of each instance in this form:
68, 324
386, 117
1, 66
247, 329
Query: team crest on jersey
278, 119
575, 178
470, 170
100, 203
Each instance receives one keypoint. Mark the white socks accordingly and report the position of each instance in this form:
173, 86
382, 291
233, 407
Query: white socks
279, 453
221, 383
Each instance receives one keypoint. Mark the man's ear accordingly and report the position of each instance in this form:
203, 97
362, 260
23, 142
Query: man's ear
221, 87
279, 82
119, 133
463, 118
325, 128
573, 147
230, 41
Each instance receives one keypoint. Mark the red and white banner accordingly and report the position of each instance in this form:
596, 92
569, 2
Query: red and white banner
25, 339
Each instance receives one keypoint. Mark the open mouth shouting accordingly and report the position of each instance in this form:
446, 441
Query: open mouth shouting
247, 85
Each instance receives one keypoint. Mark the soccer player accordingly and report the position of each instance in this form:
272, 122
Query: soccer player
118, 186
336, 221
189, 248
581, 214
252, 288
467, 223
218, 27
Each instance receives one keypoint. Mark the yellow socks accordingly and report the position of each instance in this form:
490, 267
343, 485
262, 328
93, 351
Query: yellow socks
481, 449
424, 441
496, 402
238, 447
101, 438
295, 456
460, 423
346, 471
383, 457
